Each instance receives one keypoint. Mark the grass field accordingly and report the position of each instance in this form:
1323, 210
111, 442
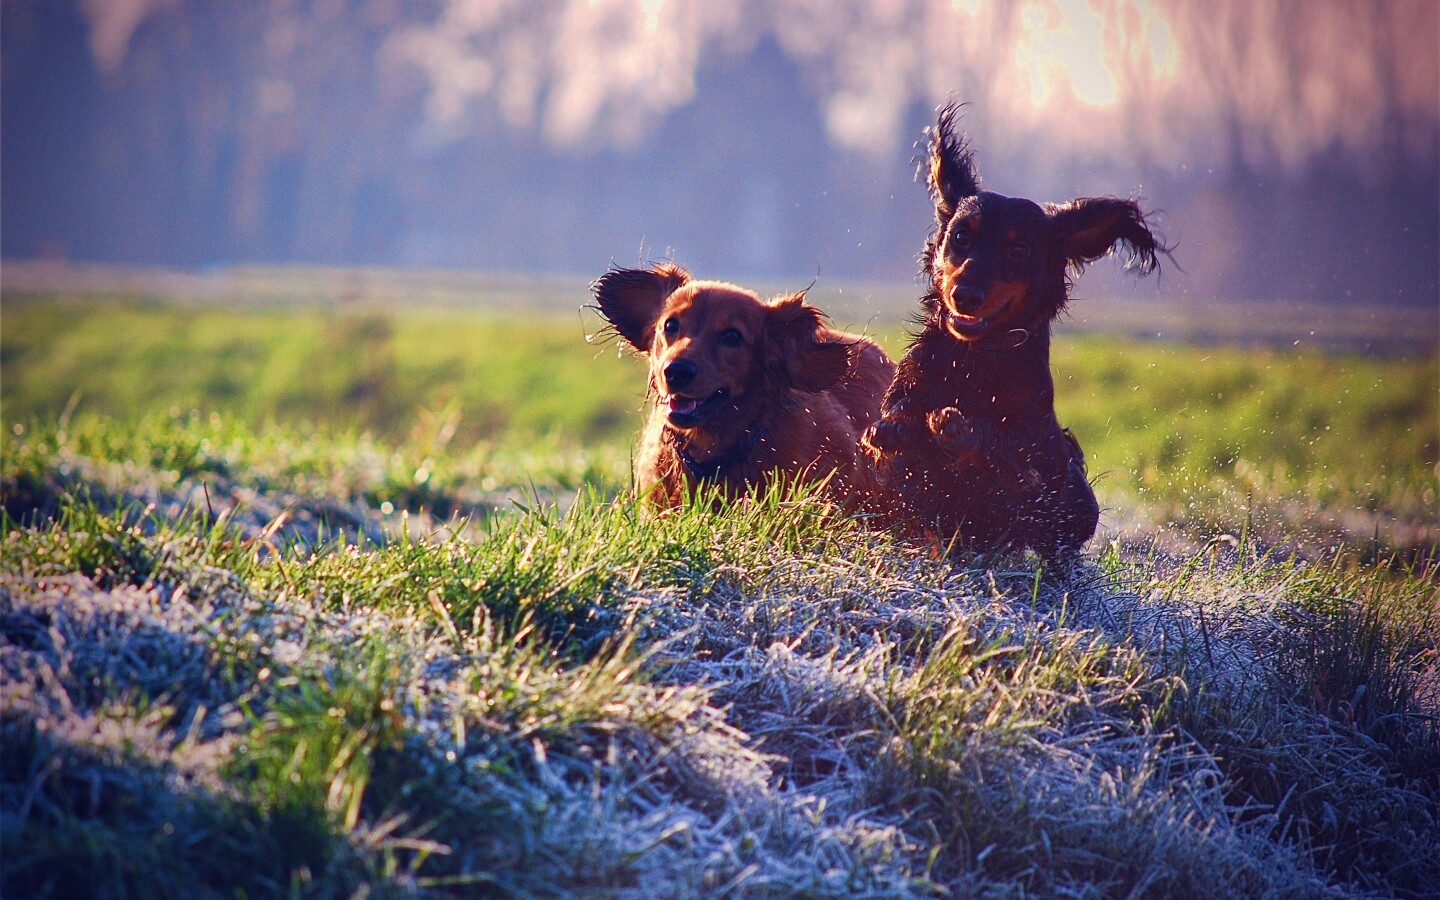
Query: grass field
314, 601
1309, 448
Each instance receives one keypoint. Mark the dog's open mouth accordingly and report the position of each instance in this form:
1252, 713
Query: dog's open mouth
964, 327
689, 411
968, 328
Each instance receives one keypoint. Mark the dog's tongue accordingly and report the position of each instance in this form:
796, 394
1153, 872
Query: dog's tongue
682, 405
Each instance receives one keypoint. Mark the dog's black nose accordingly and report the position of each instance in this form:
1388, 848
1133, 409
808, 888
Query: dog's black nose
967, 300
679, 373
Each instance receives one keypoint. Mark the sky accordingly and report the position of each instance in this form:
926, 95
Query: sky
1290, 150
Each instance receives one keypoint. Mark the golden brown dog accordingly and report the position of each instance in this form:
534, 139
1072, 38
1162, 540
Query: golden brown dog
744, 388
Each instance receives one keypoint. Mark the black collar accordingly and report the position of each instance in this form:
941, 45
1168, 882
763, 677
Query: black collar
738, 453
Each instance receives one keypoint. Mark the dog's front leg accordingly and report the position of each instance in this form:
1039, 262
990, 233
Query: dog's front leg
884, 441
961, 437
895, 430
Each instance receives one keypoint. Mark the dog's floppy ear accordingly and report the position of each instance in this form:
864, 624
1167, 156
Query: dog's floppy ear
952, 165
631, 299
795, 350
1087, 228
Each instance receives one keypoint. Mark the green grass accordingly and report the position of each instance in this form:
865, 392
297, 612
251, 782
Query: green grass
371, 370
769, 697
1305, 448
379, 617
1308, 445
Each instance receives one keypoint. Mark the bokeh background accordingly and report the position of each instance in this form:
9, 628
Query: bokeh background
1292, 145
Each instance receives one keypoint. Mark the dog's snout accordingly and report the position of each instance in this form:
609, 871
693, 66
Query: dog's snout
967, 299
679, 373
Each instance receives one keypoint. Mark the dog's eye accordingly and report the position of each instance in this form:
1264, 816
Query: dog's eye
730, 338
1019, 251
960, 241
672, 327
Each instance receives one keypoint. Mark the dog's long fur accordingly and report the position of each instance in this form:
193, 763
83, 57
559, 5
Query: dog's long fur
968, 444
744, 388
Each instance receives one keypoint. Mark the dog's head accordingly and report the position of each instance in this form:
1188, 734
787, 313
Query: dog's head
718, 352
998, 263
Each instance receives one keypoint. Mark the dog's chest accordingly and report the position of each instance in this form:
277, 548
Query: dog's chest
977, 387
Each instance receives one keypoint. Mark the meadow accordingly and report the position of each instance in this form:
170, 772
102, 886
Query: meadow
1312, 448
320, 598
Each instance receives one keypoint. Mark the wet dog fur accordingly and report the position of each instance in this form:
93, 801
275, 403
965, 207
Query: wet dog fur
968, 444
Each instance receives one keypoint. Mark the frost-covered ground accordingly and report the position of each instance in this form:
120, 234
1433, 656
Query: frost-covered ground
222, 671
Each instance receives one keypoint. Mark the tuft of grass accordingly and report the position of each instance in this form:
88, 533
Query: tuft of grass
1313, 687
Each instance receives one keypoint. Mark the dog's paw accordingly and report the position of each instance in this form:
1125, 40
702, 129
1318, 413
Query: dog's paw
885, 436
953, 432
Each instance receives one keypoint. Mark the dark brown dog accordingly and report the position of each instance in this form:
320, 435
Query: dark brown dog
744, 388
968, 444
